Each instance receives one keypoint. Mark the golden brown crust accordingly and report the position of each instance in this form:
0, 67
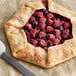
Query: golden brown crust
16, 37
35, 55
21, 17
60, 53
35, 5
23, 50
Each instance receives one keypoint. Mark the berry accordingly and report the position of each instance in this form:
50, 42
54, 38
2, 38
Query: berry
42, 43
49, 16
70, 36
50, 22
42, 34
66, 25
57, 23
28, 26
51, 36
31, 19
34, 23
49, 29
66, 31
39, 14
50, 43
42, 26
58, 19
56, 32
33, 32
42, 20
58, 37
34, 42
62, 22
64, 36
37, 28
56, 41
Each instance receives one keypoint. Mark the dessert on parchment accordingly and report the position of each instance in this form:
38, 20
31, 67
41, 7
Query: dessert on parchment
44, 35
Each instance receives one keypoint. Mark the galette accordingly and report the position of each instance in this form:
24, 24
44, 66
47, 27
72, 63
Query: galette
42, 33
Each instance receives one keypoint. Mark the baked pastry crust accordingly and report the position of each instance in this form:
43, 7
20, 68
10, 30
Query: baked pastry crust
23, 50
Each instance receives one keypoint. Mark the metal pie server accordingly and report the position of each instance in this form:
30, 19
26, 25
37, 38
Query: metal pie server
13, 62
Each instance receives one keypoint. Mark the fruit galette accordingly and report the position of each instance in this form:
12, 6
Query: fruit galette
42, 34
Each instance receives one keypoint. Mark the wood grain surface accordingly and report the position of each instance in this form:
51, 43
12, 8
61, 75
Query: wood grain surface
7, 9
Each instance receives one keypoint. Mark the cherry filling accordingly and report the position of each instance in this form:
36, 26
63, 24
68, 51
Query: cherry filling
45, 29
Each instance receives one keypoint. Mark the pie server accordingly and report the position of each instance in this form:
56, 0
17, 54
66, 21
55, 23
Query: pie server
13, 62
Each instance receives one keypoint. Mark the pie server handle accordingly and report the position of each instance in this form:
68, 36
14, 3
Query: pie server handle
17, 65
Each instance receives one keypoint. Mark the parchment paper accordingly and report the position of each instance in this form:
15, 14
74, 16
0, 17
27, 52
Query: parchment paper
7, 9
